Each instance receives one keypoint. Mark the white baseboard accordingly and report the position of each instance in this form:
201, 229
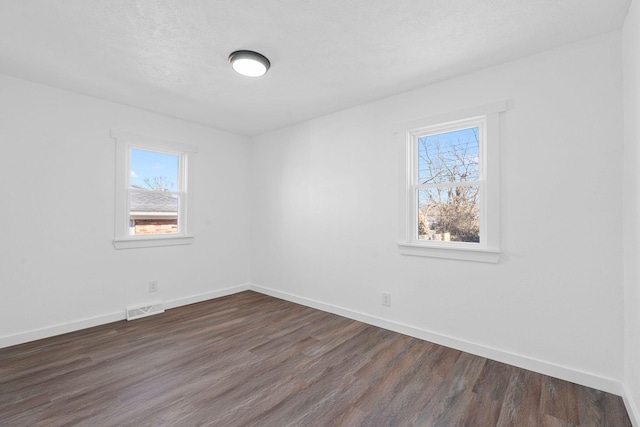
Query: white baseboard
60, 329
629, 403
205, 296
565, 373
64, 328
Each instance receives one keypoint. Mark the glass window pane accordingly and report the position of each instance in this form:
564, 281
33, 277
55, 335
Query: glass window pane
449, 157
153, 212
152, 170
449, 214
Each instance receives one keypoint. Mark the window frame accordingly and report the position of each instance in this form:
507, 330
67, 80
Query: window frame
125, 142
488, 249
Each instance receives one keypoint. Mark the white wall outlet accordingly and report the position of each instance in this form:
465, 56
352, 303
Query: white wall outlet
153, 286
386, 299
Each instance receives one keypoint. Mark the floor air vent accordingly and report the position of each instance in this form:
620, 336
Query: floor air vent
145, 310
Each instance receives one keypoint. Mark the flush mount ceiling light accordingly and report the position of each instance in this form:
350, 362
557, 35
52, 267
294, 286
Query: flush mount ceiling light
249, 63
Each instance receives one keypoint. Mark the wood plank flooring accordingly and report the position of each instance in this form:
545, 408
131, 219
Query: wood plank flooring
253, 360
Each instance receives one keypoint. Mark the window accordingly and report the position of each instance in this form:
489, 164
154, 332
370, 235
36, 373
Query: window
446, 180
153, 194
450, 207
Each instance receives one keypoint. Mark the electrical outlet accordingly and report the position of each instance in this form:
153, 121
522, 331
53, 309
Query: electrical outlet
153, 286
386, 299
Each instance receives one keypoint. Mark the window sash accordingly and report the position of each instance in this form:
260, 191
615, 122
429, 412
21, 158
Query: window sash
180, 213
473, 122
414, 224
479, 122
463, 125
181, 188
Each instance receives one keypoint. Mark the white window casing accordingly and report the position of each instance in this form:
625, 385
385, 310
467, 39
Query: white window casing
486, 118
125, 142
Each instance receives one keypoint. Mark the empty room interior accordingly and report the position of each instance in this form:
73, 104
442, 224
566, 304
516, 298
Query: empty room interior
403, 213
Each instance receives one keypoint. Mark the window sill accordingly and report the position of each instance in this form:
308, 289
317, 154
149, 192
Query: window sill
151, 242
459, 253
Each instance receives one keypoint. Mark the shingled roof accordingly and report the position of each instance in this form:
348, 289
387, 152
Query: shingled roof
144, 200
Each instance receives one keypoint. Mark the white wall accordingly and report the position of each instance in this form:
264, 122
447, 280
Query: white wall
631, 69
58, 267
325, 215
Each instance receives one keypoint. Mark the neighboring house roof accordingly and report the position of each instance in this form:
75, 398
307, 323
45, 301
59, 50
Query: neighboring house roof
145, 200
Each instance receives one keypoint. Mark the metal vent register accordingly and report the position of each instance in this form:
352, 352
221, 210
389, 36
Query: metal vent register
145, 310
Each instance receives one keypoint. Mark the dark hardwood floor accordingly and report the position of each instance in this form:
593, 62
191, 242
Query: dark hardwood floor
250, 359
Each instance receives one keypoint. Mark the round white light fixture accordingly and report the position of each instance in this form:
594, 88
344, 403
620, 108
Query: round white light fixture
249, 63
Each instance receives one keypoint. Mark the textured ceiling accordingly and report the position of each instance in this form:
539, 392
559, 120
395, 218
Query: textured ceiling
171, 56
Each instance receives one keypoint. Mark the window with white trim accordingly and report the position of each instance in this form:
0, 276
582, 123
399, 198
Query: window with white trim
451, 207
153, 192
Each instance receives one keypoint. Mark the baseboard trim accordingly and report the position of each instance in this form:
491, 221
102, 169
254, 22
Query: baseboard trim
565, 373
179, 302
63, 328
629, 403
37, 334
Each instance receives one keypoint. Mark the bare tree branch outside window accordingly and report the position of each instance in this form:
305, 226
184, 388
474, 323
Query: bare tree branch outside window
159, 183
